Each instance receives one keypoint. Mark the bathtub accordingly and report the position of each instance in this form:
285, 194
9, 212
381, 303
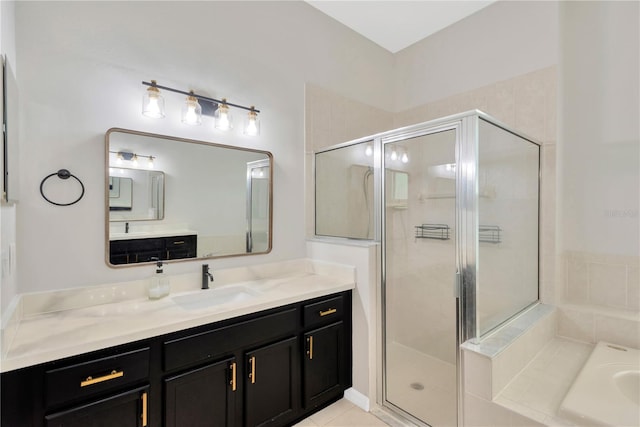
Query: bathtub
606, 392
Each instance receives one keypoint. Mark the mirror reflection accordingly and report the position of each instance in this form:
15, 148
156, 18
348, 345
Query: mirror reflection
135, 194
171, 198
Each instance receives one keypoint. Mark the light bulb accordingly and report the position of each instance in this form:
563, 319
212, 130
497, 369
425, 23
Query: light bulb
368, 151
153, 102
134, 160
404, 158
394, 155
223, 116
150, 163
191, 111
252, 126
119, 158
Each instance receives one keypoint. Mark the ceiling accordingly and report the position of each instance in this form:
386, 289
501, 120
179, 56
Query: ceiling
396, 24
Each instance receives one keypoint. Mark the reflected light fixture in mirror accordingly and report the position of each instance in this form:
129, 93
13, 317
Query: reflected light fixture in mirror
153, 102
122, 156
191, 111
198, 105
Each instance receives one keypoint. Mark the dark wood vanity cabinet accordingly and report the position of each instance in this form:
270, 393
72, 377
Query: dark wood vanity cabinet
202, 397
131, 251
270, 368
126, 409
326, 353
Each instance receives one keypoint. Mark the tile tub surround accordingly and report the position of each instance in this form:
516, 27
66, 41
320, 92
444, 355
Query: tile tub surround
492, 364
52, 325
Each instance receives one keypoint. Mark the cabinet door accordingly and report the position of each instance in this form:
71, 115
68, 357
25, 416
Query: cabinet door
128, 409
203, 397
324, 364
272, 384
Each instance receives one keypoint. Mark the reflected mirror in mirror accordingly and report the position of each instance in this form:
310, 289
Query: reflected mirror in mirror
135, 194
175, 199
344, 192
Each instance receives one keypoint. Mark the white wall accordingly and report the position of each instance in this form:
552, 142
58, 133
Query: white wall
499, 42
83, 63
600, 133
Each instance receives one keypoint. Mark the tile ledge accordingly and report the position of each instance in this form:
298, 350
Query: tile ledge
500, 339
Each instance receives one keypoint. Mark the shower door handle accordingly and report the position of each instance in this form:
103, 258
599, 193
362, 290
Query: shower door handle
457, 283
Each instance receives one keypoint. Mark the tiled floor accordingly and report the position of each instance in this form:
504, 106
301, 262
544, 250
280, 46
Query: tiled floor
341, 414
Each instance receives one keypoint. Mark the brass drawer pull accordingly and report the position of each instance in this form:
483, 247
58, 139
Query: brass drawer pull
179, 242
252, 375
233, 376
310, 352
90, 380
328, 312
144, 409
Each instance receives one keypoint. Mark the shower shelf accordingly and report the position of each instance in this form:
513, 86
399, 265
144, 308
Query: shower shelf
432, 231
489, 234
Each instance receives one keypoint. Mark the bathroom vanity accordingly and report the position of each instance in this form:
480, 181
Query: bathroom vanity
273, 365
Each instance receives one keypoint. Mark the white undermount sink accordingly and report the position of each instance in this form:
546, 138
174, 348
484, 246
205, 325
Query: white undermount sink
214, 297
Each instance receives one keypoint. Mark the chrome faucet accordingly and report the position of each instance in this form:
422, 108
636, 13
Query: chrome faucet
206, 276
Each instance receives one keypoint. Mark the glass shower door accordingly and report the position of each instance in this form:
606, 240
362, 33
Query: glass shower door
420, 333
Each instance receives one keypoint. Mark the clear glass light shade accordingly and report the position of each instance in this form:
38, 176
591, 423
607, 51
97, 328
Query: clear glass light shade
394, 155
224, 120
150, 162
404, 158
191, 112
153, 103
252, 124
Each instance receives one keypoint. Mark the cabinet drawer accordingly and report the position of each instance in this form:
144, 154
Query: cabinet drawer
210, 345
323, 312
86, 379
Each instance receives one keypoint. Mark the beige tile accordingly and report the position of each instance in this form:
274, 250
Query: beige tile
617, 331
529, 100
576, 325
307, 422
577, 281
329, 413
500, 102
477, 374
608, 285
479, 412
355, 417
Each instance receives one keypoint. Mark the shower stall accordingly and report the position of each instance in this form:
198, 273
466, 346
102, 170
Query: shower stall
455, 203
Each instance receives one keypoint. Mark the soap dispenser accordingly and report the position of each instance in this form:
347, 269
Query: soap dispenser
159, 283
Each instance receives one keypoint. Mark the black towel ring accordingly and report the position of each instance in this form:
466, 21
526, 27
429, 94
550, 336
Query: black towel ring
62, 174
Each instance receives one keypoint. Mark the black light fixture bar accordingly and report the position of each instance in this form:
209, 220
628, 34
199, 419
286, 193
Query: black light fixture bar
205, 98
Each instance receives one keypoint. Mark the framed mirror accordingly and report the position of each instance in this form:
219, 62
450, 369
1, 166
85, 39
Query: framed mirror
178, 199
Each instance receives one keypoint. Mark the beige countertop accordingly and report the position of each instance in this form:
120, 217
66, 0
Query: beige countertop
53, 325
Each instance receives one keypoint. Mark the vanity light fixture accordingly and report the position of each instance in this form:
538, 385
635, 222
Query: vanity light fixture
198, 105
404, 158
191, 111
